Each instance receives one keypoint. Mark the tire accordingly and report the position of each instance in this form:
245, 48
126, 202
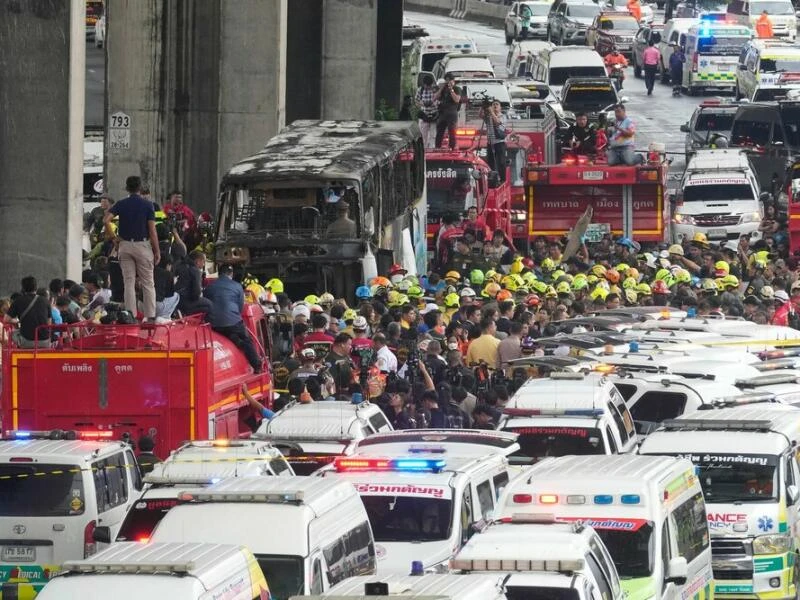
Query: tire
637, 70
691, 91
737, 95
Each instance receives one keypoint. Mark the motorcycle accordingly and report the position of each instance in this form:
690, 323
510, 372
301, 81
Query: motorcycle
617, 75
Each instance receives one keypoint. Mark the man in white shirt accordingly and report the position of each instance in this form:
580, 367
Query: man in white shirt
386, 361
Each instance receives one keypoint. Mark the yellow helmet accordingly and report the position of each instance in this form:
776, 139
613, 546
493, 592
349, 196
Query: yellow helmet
709, 285
451, 300
516, 265
599, 293
548, 265
700, 238
540, 287
551, 292
614, 289
528, 277
452, 277
563, 288
580, 282
622, 268
631, 297
633, 272
721, 268
557, 274
509, 282
491, 289
729, 281
643, 289
629, 283
415, 291
255, 293
598, 270
350, 314
311, 299
274, 285
682, 276
492, 275
592, 279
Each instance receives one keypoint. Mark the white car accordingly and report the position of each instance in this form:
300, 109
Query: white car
537, 28
622, 6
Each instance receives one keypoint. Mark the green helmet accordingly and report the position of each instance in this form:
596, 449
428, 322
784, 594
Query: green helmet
476, 277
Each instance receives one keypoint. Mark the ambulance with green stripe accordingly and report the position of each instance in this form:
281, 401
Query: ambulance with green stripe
648, 510
712, 53
746, 460
762, 63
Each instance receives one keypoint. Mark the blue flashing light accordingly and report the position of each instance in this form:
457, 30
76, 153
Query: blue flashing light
630, 499
418, 464
604, 499
633, 346
584, 412
22, 435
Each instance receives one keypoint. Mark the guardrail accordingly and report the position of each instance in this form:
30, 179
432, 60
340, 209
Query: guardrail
463, 9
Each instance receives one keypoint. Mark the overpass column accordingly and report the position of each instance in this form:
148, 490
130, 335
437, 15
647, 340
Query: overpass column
349, 50
42, 62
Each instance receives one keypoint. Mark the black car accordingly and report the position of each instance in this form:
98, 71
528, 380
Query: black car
589, 95
770, 132
709, 121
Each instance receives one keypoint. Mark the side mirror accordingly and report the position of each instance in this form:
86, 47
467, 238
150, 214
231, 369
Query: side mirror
677, 571
102, 534
743, 67
792, 494
685, 128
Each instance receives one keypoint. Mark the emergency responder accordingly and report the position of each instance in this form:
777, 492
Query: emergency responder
635, 9
225, 316
147, 458
582, 135
676, 61
138, 246
764, 25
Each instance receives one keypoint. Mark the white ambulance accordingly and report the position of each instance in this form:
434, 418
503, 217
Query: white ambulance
649, 512
307, 533
433, 586
422, 506
746, 460
454, 442
519, 548
131, 571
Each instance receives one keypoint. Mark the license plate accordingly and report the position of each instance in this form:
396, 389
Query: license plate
724, 67
593, 175
717, 233
19, 554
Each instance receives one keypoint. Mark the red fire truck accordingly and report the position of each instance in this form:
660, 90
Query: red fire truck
458, 179
631, 200
177, 381
792, 191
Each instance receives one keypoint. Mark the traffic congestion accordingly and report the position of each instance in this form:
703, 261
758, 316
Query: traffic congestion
536, 339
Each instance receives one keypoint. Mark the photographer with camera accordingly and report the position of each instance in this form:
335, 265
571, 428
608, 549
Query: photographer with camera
495, 123
180, 216
449, 98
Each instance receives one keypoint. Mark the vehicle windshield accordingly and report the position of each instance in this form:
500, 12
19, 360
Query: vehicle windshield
538, 442
431, 58
721, 46
559, 75
779, 64
773, 8
733, 478
409, 518
594, 95
619, 25
769, 94
583, 11
297, 212
714, 122
537, 9
58, 494
524, 592
143, 518
718, 193
633, 552
750, 133
284, 575
451, 188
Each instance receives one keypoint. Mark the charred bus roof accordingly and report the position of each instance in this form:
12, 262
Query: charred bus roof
324, 151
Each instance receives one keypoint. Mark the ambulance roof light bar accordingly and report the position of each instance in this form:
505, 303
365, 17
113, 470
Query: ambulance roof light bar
344, 464
767, 379
553, 412
131, 567
277, 497
58, 434
743, 400
715, 425
511, 564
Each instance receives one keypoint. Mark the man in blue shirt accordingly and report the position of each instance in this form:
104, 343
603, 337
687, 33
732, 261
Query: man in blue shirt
138, 246
227, 302
621, 141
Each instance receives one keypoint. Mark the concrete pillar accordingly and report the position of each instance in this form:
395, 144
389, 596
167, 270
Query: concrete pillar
136, 86
42, 62
349, 41
304, 60
252, 78
389, 54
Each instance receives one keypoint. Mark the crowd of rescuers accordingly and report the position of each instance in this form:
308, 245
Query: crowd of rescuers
434, 349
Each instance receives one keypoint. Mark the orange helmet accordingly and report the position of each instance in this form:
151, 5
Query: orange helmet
612, 275
380, 280
503, 295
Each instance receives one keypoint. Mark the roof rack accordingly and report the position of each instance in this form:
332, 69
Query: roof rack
715, 425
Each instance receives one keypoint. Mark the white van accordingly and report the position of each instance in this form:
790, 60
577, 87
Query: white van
519, 547
781, 13
422, 506
712, 53
311, 435
424, 587
719, 196
762, 63
427, 51
195, 464
649, 512
517, 57
569, 413
747, 467
53, 494
554, 66
674, 34
131, 571
454, 442
307, 533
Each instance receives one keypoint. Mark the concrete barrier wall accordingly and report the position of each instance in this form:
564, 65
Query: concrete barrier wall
464, 9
